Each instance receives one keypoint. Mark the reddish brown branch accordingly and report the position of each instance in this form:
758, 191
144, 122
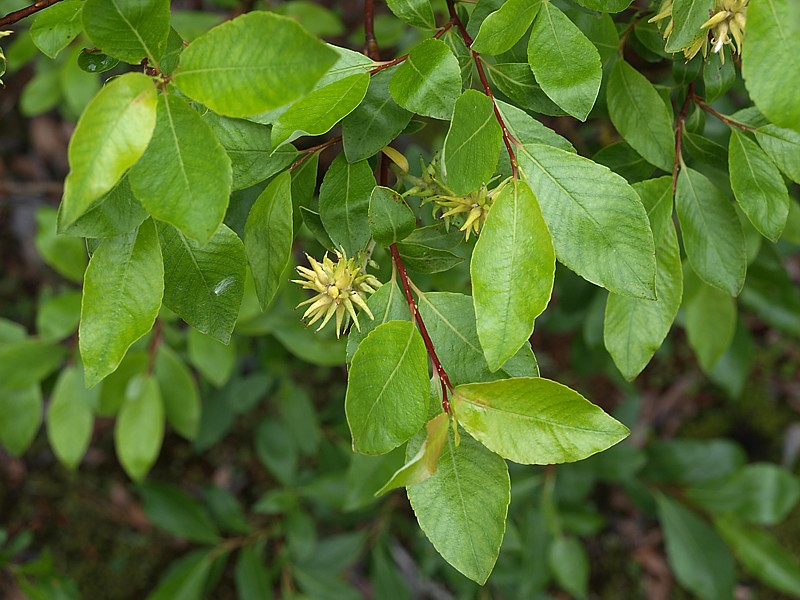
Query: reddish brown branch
508, 139
309, 152
727, 120
444, 380
155, 344
396, 61
371, 44
679, 137
20, 14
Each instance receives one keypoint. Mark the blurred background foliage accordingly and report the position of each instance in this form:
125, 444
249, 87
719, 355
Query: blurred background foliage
266, 498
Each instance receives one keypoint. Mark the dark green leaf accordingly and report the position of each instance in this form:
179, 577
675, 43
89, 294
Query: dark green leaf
115, 213
504, 27
783, 147
178, 392
427, 259
718, 78
252, 578
176, 512
186, 577
65, 254
688, 16
58, 317
569, 563
516, 81
344, 203
213, 359
390, 219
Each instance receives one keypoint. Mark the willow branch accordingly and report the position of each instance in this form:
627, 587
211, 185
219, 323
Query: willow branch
20, 14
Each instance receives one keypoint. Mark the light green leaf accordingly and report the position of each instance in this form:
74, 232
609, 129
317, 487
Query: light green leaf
424, 463
710, 321
387, 388
635, 328
320, 110
204, 285
711, 231
65, 254
139, 429
771, 60
212, 358
248, 145
640, 115
472, 145
344, 203
20, 416
688, 16
268, 237
112, 392
504, 27
569, 564
57, 26
376, 121
58, 317
414, 12
28, 361
70, 417
462, 508
115, 213
249, 65
450, 319
608, 6
129, 30
429, 80
599, 226
565, 63
390, 219
512, 287
386, 304
184, 177
699, 558
535, 421
761, 555
178, 392
758, 186
122, 293
111, 135
528, 130
783, 147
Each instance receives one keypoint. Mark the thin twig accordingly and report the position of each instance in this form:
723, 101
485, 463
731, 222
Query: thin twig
309, 152
20, 14
155, 344
396, 61
508, 139
727, 120
371, 44
679, 137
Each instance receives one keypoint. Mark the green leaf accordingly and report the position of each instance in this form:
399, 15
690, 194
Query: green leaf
122, 293
139, 429
608, 6
112, 392
450, 319
783, 147
129, 30
635, 328
225, 509
429, 80
424, 463
186, 577
427, 259
511, 287
390, 219
758, 186
599, 226
757, 493
213, 359
320, 110
70, 417
65, 254
268, 237
710, 321
249, 65
414, 12
28, 361
688, 16
472, 145
176, 512
504, 27
761, 555
376, 121
387, 388
184, 177
686, 461
718, 77
276, 449
111, 135
711, 231
516, 81
248, 145
56, 27
625, 161
771, 62
462, 507
535, 421
699, 558
178, 392
20, 416
115, 213
204, 285
640, 115
565, 63
251, 576
58, 317
528, 130
386, 304
344, 203
569, 564
96, 62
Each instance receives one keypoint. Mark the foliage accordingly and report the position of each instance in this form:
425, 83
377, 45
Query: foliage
192, 186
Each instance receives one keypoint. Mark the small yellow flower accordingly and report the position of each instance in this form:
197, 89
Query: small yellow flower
728, 20
341, 288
